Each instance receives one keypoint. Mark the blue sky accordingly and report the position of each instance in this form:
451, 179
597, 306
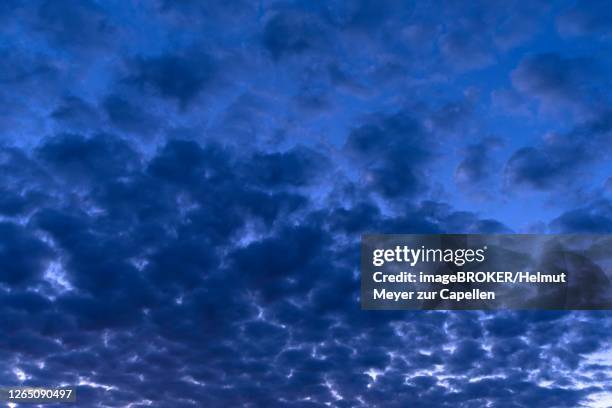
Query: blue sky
183, 186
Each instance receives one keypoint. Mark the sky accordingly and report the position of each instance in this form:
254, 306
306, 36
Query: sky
184, 184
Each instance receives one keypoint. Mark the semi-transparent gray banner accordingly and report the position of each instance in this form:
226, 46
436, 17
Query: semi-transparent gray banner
485, 272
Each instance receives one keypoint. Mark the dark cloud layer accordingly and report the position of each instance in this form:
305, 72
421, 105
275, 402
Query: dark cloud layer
584, 18
392, 151
559, 82
177, 77
561, 157
183, 186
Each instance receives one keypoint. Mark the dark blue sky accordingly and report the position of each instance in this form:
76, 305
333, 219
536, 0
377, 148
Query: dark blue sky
183, 186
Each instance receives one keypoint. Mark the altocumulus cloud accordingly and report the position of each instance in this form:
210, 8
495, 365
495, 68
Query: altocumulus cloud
179, 229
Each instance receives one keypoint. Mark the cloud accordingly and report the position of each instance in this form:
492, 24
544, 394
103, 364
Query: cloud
465, 50
23, 255
186, 162
74, 26
478, 165
174, 76
391, 151
596, 218
99, 157
77, 114
298, 167
559, 82
129, 117
183, 186
292, 33
161, 256
554, 163
584, 18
